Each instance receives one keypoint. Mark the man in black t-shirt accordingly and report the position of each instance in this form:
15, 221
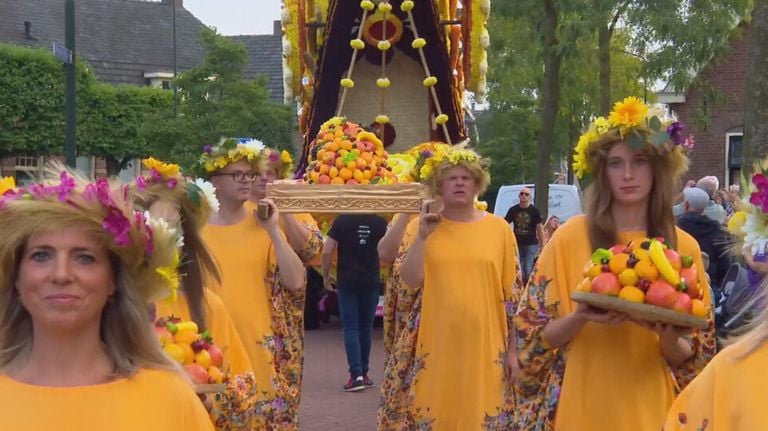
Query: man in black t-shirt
529, 230
358, 280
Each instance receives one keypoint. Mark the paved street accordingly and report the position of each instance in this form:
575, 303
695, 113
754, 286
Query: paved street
324, 406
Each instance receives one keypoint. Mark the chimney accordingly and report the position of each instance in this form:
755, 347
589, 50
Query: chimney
179, 3
277, 28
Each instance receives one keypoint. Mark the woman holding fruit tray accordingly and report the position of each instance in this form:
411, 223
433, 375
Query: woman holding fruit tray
452, 363
575, 358
77, 267
729, 395
195, 327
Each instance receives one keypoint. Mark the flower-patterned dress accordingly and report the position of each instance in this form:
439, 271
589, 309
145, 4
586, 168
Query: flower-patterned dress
446, 370
233, 408
268, 318
609, 377
397, 302
729, 395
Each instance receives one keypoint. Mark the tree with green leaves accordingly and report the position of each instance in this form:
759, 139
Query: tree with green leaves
756, 116
215, 101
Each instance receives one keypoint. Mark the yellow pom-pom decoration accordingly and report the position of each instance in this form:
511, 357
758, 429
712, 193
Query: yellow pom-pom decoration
430, 81
384, 45
418, 43
383, 82
347, 83
441, 119
357, 44
367, 5
385, 7
382, 119
406, 6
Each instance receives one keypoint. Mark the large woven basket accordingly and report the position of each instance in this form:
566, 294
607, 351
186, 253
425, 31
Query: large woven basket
347, 199
645, 312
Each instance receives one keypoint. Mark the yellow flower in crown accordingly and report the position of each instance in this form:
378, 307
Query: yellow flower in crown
7, 184
170, 275
285, 156
166, 170
628, 113
631, 121
226, 152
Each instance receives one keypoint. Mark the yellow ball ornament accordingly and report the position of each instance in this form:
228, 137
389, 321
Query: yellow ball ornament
385, 7
357, 44
383, 83
384, 45
418, 43
406, 6
347, 83
367, 5
429, 81
382, 119
441, 119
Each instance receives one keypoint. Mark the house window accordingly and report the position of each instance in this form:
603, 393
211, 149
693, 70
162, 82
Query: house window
734, 157
28, 169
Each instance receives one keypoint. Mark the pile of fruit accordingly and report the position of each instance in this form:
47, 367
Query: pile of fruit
345, 153
196, 352
646, 271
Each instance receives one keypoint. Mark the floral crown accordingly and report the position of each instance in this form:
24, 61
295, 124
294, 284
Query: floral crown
226, 152
750, 224
165, 182
407, 166
640, 127
146, 247
447, 154
281, 161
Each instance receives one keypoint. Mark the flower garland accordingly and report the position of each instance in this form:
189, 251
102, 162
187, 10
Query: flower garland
226, 152
479, 40
7, 184
632, 121
291, 50
169, 175
143, 246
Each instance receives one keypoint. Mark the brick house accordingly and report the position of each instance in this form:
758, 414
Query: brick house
718, 140
127, 42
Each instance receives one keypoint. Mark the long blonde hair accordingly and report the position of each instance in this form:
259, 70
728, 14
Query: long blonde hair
661, 221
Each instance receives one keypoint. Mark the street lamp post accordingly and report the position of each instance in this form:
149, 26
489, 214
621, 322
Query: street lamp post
70, 91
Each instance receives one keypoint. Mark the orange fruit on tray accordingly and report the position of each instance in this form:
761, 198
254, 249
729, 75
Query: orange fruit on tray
632, 294
618, 263
628, 277
645, 269
699, 308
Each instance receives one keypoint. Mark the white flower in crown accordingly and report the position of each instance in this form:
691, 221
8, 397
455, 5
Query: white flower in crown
252, 144
756, 238
209, 191
160, 225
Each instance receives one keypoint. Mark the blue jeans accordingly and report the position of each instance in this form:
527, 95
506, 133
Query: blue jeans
528, 254
357, 305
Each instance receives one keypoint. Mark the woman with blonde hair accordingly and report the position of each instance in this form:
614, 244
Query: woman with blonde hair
586, 369
77, 268
186, 206
452, 363
729, 394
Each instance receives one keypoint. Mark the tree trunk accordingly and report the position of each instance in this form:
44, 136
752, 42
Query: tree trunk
604, 57
113, 166
756, 117
550, 102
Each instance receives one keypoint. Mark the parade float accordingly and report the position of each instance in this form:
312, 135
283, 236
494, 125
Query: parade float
373, 78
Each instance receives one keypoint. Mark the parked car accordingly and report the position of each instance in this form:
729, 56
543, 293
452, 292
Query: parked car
564, 200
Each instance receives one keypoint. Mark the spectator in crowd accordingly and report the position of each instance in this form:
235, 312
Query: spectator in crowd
553, 222
529, 231
712, 238
714, 211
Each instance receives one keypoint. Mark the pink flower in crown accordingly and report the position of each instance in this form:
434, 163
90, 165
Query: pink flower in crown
759, 198
141, 222
10, 195
99, 192
119, 226
40, 191
141, 184
274, 157
66, 187
172, 183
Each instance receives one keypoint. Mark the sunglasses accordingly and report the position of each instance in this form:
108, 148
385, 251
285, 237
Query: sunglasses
524, 194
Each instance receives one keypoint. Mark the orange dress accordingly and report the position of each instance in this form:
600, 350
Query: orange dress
608, 377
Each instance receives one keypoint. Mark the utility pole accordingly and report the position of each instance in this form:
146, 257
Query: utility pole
175, 90
70, 146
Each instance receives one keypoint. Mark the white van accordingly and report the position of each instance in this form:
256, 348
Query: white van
564, 200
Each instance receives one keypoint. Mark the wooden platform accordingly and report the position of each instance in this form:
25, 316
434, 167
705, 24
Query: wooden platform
347, 199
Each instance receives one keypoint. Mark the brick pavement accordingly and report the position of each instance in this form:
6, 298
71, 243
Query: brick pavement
324, 406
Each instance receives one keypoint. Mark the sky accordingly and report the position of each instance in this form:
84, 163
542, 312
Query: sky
232, 17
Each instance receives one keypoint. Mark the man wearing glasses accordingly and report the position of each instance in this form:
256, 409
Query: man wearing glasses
529, 231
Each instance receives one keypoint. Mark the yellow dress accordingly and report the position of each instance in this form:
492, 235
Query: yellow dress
151, 400
729, 395
268, 318
446, 370
314, 243
608, 377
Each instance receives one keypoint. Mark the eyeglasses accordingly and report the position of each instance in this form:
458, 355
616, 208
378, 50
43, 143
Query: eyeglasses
524, 194
237, 176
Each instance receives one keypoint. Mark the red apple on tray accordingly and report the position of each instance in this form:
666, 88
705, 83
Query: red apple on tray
607, 283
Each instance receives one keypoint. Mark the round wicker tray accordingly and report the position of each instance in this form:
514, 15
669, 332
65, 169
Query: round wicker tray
347, 199
646, 312
210, 388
